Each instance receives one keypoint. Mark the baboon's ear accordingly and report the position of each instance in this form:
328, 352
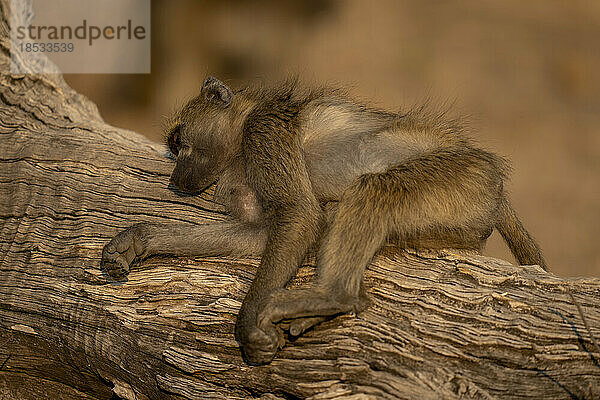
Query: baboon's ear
216, 92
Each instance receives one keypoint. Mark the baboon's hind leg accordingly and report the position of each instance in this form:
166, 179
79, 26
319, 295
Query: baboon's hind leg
356, 232
419, 203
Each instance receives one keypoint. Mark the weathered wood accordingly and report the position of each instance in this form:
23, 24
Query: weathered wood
441, 325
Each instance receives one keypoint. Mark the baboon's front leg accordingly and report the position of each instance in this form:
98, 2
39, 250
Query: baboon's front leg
227, 238
288, 242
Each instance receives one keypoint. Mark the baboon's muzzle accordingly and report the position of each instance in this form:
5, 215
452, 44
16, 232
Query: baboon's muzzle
189, 183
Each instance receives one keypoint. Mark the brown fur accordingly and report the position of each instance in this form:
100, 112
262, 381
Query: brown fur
280, 154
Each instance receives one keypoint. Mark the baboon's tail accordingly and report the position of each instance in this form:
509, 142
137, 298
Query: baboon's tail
527, 252
519, 241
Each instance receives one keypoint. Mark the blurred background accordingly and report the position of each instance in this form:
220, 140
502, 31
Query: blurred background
526, 72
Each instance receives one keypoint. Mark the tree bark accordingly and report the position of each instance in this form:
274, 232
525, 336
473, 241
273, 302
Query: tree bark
442, 325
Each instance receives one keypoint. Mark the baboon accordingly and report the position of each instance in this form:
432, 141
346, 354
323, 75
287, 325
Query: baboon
281, 156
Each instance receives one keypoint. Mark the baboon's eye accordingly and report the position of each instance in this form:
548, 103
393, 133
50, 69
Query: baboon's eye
174, 140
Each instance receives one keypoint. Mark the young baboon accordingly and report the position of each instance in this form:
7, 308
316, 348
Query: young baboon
279, 155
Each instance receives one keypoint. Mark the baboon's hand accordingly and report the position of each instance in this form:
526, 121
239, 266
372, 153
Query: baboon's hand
122, 250
259, 346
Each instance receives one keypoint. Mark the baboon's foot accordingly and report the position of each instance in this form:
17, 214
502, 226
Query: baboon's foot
305, 308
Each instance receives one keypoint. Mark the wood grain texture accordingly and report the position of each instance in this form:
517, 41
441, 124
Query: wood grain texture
442, 325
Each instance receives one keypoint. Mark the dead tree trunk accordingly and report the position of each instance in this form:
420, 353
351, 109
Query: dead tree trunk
441, 326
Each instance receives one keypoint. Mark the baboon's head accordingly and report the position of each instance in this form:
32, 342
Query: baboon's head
200, 137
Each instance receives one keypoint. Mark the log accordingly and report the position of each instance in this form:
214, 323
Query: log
442, 325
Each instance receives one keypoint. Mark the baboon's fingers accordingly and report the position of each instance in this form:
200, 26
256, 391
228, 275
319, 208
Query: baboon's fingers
115, 266
260, 346
121, 251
